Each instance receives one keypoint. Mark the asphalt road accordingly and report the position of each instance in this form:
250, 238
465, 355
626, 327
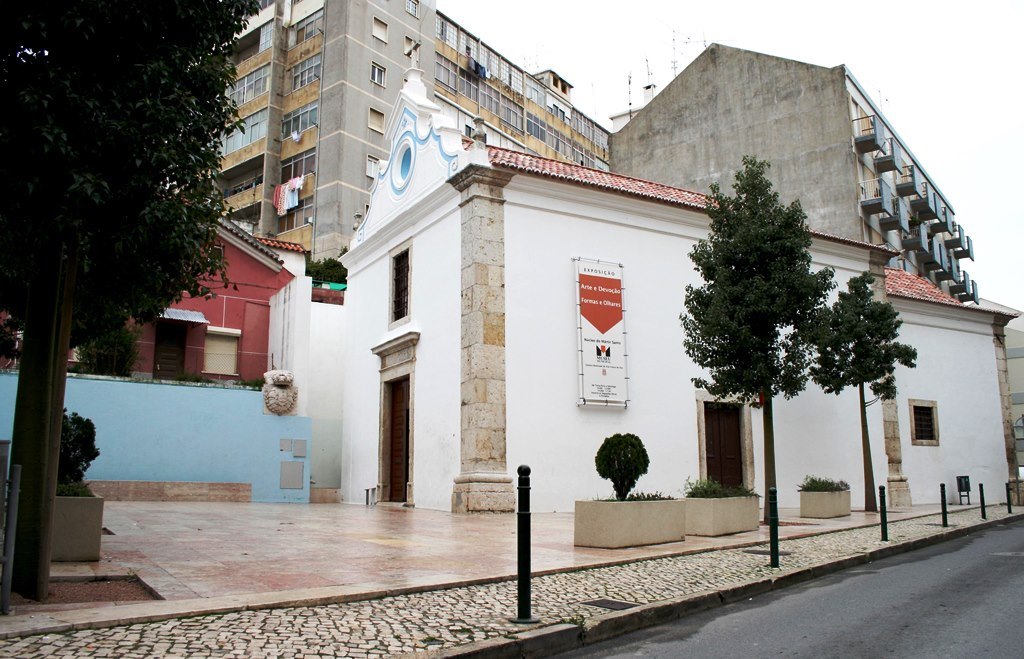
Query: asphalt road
963, 598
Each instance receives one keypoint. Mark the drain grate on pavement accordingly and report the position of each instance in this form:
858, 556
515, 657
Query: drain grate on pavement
765, 552
614, 605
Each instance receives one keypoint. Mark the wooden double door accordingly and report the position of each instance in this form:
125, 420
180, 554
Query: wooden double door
723, 443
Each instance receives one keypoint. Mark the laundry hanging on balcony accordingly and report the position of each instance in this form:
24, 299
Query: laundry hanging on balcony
286, 195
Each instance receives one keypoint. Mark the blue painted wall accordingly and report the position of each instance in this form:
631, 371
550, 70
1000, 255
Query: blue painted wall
156, 431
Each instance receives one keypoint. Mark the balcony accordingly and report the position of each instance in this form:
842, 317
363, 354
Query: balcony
898, 219
935, 258
868, 134
926, 205
917, 239
960, 285
946, 223
966, 250
245, 198
948, 269
876, 197
890, 157
970, 294
908, 182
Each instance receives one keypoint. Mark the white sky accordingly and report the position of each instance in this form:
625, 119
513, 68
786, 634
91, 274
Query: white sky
947, 76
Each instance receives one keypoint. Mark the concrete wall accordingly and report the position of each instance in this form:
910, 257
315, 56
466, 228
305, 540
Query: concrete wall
289, 327
156, 431
346, 98
729, 103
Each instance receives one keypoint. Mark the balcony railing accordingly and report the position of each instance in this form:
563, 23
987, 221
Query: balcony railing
899, 218
936, 256
908, 182
927, 204
917, 239
890, 157
868, 134
876, 197
946, 222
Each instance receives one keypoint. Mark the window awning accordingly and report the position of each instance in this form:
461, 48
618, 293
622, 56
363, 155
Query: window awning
185, 315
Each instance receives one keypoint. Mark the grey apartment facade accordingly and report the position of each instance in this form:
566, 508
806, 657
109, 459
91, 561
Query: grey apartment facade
829, 146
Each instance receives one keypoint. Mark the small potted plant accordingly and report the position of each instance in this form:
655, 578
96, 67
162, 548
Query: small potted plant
713, 509
628, 520
77, 512
822, 498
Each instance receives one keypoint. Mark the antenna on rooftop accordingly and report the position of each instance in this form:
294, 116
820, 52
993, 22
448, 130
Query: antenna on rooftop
629, 93
648, 63
675, 62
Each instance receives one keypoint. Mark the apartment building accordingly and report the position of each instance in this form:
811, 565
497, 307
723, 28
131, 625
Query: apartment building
829, 145
316, 82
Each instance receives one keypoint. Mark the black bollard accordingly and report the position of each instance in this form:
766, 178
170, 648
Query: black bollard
773, 525
1009, 506
942, 493
981, 495
523, 549
882, 513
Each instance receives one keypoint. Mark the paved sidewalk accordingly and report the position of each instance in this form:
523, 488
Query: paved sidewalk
476, 616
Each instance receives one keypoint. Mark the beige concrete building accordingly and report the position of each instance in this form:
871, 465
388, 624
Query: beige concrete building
829, 145
316, 82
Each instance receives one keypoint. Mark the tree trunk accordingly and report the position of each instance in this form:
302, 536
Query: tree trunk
768, 423
870, 503
31, 438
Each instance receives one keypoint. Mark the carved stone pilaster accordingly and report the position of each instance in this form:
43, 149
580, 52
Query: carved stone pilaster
483, 484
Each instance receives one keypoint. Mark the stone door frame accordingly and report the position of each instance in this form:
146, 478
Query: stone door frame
397, 361
746, 437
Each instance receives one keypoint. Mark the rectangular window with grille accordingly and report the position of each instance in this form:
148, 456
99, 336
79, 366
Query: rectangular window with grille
413, 7
924, 422
296, 217
221, 352
254, 127
400, 286
446, 72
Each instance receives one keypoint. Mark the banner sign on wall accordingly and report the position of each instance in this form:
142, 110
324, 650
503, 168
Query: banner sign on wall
601, 324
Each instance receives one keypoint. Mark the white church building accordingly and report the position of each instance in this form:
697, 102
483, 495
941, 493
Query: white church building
508, 309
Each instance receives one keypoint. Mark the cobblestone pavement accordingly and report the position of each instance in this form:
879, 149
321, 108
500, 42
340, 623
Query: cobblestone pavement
448, 618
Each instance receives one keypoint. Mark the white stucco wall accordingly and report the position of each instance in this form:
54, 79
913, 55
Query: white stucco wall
326, 379
546, 225
288, 344
956, 368
435, 312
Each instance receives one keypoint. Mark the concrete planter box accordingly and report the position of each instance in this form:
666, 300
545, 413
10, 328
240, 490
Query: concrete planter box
721, 516
614, 524
77, 527
821, 505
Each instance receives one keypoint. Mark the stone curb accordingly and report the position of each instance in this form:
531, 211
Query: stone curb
546, 641
57, 622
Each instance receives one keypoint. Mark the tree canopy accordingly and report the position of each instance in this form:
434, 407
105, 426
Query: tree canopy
114, 113
751, 324
113, 117
857, 343
857, 346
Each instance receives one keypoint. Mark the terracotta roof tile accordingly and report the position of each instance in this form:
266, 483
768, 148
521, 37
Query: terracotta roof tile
597, 178
282, 244
915, 287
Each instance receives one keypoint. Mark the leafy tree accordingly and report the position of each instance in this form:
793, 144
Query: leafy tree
111, 353
113, 117
857, 346
752, 323
327, 269
622, 459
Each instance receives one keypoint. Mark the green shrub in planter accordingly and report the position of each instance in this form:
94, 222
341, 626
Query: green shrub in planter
817, 484
712, 489
77, 451
622, 459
